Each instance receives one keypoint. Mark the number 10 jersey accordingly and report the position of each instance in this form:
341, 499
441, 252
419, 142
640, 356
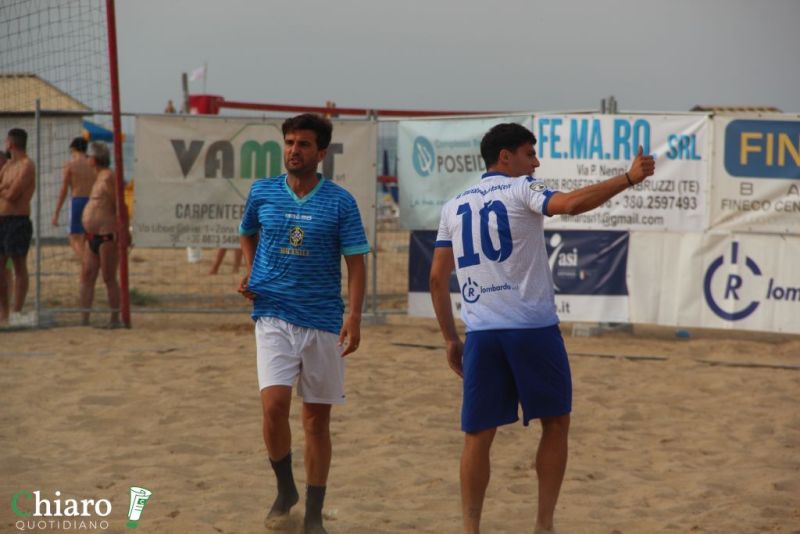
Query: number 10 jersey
495, 230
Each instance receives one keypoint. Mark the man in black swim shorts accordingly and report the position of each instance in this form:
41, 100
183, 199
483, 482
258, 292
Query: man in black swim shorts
17, 183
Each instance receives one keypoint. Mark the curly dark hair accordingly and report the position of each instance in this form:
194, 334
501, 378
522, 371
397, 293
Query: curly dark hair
509, 136
309, 121
79, 144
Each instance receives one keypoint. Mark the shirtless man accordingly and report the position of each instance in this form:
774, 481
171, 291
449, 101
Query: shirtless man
17, 183
100, 247
78, 176
7, 270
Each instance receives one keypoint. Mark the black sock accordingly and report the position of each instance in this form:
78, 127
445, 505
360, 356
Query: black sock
287, 491
315, 497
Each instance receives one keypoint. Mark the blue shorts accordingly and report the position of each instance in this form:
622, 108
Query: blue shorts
75, 224
506, 368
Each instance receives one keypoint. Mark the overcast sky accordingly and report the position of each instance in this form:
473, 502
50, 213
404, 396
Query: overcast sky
464, 54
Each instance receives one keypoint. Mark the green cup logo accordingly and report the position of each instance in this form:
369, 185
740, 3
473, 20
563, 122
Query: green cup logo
139, 497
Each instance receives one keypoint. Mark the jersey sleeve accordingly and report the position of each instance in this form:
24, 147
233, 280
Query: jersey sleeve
250, 225
534, 194
352, 237
443, 237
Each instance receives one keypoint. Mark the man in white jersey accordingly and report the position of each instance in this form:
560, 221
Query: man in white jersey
514, 354
295, 229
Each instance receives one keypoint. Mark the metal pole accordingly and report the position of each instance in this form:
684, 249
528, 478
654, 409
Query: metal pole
122, 212
185, 87
374, 265
38, 220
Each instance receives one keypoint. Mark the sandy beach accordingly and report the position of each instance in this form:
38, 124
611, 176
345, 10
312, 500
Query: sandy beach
668, 435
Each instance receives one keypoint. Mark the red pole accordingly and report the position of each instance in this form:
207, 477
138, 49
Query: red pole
122, 212
346, 111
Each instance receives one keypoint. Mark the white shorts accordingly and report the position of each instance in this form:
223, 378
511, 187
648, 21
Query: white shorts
285, 352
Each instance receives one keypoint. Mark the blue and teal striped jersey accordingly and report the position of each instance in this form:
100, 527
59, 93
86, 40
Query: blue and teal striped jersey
297, 271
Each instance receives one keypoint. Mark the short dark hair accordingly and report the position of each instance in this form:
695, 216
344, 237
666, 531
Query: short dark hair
509, 136
79, 144
309, 121
19, 138
99, 151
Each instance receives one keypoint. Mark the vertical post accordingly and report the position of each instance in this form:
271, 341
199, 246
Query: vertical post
38, 226
205, 75
374, 265
122, 212
185, 87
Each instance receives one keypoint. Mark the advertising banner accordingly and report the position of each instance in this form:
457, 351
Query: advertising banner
589, 275
436, 160
580, 150
734, 281
756, 176
193, 174
420, 259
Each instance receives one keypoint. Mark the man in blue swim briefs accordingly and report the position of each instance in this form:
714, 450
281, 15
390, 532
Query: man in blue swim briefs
492, 235
79, 177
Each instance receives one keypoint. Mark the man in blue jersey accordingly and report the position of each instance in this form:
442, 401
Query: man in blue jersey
294, 230
514, 354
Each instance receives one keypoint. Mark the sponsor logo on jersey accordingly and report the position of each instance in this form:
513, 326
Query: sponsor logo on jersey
296, 235
537, 187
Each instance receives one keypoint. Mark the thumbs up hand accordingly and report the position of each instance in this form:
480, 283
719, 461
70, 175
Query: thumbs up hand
642, 167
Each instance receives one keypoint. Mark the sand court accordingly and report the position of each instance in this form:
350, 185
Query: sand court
667, 435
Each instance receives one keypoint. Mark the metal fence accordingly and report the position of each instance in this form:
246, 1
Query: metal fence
170, 280
178, 280
164, 280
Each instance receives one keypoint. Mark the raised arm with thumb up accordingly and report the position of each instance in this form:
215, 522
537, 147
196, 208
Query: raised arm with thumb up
642, 166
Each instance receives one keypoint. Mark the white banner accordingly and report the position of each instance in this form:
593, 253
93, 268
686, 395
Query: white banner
736, 281
436, 160
756, 178
585, 308
580, 150
588, 271
193, 174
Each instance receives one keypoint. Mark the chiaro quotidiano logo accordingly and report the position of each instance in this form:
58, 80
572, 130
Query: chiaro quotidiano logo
38, 513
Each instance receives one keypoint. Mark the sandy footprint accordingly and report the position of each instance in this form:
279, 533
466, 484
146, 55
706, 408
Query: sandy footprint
106, 400
286, 523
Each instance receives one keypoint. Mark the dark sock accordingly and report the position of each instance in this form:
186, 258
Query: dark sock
315, 497
287, 491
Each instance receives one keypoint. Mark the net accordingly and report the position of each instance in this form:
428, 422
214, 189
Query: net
56, 53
